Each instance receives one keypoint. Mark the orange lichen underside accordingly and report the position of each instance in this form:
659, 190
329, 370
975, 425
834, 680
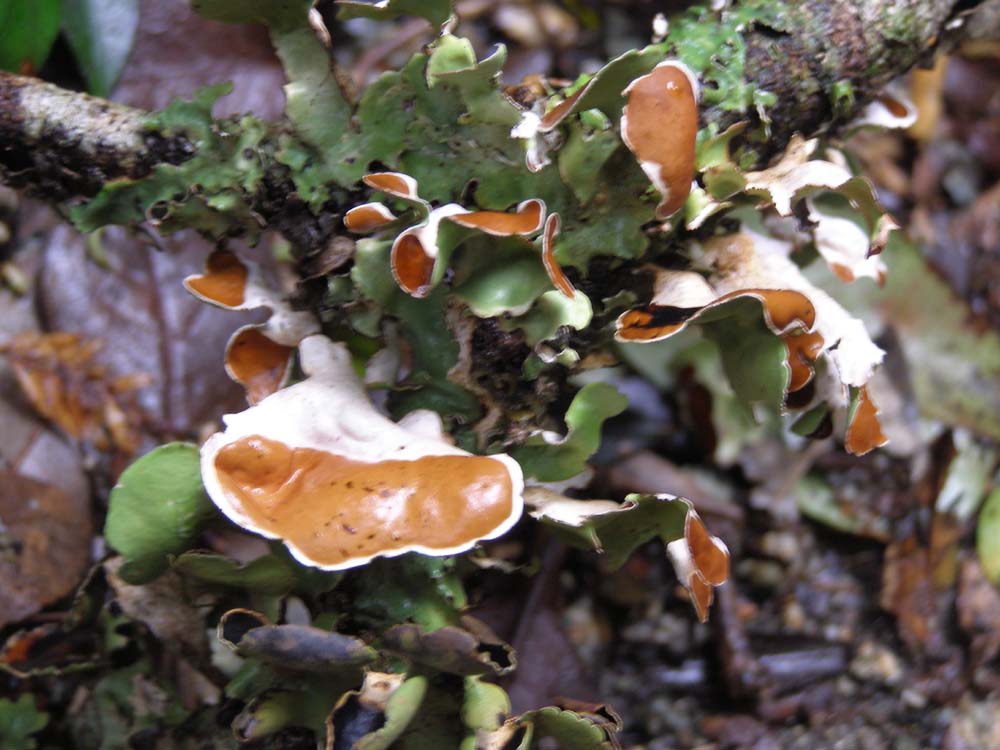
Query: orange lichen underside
864, 433
411, 265
559, 112
660, 123
224, 280
390, 182
711, 559
702, 593
803, 349
257, 363
556, 275
526, 220
367, 218
782, 307
334, 509
896, 108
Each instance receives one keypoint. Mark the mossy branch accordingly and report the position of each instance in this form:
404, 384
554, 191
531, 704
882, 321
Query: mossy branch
62, 144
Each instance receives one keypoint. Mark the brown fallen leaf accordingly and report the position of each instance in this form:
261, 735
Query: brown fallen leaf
163, 607
44, 545
59, 374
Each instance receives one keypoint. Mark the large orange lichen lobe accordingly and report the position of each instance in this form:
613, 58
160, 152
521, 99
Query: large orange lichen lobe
224, 281
659, 125
333, 510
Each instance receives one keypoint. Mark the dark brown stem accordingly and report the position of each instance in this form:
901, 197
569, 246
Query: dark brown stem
63, 143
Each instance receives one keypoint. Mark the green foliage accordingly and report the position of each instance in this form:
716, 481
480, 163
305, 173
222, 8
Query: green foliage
156, 510
18, 721
551, 459
988, 536
269, 574
101, 33
715, 49
29, 28
209, 191
400, 711
618, 531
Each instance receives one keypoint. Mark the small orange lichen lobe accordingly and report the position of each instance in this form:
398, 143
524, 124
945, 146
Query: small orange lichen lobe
526, 220
709, 555
864, 433
334, 509
556, 275
411, 265
257, 363
224, 281
393, 183
367, 218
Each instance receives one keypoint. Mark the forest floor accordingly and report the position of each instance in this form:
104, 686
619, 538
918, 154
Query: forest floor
858, 616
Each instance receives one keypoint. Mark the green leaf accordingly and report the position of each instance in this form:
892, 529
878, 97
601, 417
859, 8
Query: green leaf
551, 312
988, 537
616, 530
400, 711
550, 459
495, 276
582, 159
485, 705
568, 729
157, 509
101, 33
413, 587
269, 574
18, 721
29, 29
435, 11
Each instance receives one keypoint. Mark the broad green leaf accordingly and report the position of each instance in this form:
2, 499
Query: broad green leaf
269, 574
156, 510
28, 28
101, 33
18, 721
988, 537
551, 458
496, 276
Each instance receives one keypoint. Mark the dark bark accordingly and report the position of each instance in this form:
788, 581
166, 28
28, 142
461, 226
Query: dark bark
63, 143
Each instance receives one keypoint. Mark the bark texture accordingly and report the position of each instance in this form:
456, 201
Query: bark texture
63, 143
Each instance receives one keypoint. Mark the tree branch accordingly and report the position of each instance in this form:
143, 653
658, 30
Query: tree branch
63, 143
